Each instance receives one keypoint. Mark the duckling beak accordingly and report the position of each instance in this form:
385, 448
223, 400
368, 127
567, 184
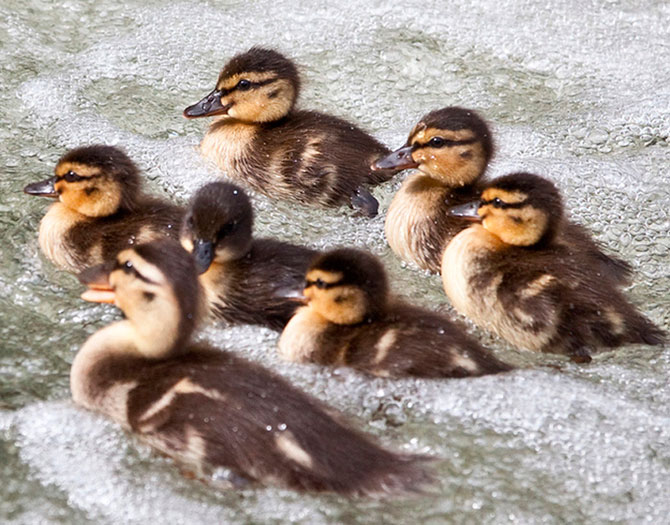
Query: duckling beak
203, 253
44, 188
400, 159
97, 280
208, 106
467, 211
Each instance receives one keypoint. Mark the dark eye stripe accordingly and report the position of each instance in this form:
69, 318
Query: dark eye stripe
322, 285
128, 267
252, 85
446, 143
71, 176
497, 203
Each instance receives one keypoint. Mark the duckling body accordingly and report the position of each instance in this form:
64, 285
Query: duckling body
101, 209
349, 321
259, 139
246, 280
513, 275
260, 287
418, 225
207, 408
452, 147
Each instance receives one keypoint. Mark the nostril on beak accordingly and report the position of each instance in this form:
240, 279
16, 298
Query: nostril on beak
204, 254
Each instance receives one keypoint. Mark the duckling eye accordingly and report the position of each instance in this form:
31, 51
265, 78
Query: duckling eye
226, 230
243, 85
71, 176
320, 284
437, 142
498, 203
128, 267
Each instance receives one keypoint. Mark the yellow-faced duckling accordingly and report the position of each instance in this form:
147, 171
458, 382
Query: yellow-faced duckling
246, 280
351, 320
509, 274
451, 147
100, 210
208, 408
260, 139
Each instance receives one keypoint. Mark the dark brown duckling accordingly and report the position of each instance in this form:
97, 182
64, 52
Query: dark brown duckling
101, 208
512, 275
260, 139
246, 280
207, 408
351, 320
452, 147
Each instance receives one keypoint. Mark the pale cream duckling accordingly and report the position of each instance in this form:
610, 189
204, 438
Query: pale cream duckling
452, 147
511, 275
207, 408
350, 320
258, 137
101, 208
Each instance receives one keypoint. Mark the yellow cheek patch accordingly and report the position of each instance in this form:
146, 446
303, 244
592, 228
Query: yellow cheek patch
508, 197
340, 305
97, 198
251, 76
263, 104
518, 226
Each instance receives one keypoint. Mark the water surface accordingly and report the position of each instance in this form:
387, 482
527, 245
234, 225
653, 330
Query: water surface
578, 93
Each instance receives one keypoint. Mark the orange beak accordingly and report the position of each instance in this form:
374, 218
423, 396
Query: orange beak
97, 280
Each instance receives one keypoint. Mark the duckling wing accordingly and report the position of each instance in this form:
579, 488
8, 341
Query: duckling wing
413, 342
569, 307
578, 239
213, 410
99, 240
266, 285
319, 158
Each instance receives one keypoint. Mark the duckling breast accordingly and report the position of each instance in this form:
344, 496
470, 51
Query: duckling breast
413, 223
53, 237
302, 336
229, 145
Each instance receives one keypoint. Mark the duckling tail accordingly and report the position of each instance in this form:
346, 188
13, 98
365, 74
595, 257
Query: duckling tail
371, 471
648, 333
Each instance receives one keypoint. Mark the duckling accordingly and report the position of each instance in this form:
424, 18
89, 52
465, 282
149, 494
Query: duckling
259, 138
209, 409
452, 147
246, 280
511, 275
100, 210
351, 320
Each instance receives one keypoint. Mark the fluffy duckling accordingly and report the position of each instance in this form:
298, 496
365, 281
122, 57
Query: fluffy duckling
259, 138
100, 210
246, 280
511, 275
208, 408
351, 320
451, 148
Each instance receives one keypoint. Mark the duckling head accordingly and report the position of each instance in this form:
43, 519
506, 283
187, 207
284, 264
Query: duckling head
155, 285
218, 225
95, 181
346, 286
521, 209
260, 85
452, 145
